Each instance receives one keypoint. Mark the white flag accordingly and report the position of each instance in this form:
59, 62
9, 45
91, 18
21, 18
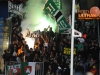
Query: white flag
77, 7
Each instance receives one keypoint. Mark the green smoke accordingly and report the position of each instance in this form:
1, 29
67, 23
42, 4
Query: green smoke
35, 17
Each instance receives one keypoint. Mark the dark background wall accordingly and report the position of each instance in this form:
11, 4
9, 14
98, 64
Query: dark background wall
4, 9
87, 4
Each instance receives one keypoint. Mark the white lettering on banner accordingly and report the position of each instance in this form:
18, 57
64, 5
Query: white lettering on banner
60, 26
13, 66
51, 8
63, 24
12, 7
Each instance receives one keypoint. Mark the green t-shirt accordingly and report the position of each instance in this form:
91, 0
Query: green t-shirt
79, 47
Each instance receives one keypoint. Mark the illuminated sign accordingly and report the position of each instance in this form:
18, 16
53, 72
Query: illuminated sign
93, 13
67, 51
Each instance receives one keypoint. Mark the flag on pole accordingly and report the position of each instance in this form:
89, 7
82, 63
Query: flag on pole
77, 7
28, 68
58, 3
63, 24
52, 9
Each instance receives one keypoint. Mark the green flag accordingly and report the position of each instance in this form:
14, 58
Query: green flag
52, 9
28, 68
58, 3
63, 24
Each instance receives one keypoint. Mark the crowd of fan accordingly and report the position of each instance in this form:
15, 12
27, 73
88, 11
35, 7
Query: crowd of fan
49, 49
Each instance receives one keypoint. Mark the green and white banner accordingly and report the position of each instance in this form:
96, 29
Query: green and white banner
52, 9
24, 68
28, 68
58, 3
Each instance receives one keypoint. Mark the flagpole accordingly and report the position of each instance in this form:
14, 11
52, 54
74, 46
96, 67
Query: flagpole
72, 37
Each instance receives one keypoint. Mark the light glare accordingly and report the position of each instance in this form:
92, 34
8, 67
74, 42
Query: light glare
30, 42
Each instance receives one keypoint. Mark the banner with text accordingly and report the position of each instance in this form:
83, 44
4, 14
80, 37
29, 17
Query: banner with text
24, 68
58, 3
14, 9
52, 9
67, 51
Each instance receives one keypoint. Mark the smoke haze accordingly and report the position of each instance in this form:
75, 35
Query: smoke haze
35, 18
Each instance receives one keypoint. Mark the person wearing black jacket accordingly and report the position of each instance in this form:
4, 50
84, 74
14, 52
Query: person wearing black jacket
4, 56
8, 55
79, 69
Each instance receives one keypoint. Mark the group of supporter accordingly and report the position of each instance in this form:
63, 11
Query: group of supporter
49, 48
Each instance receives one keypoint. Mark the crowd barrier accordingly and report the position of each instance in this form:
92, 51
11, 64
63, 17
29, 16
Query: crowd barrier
24, 68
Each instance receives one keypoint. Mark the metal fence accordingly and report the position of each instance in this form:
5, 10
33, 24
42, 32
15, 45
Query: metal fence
17, 68
39, 70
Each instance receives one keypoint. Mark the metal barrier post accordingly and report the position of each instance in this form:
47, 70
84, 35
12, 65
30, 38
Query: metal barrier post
40, 70
98, 32
10, 35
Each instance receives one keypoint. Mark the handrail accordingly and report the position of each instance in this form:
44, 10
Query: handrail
10, 29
